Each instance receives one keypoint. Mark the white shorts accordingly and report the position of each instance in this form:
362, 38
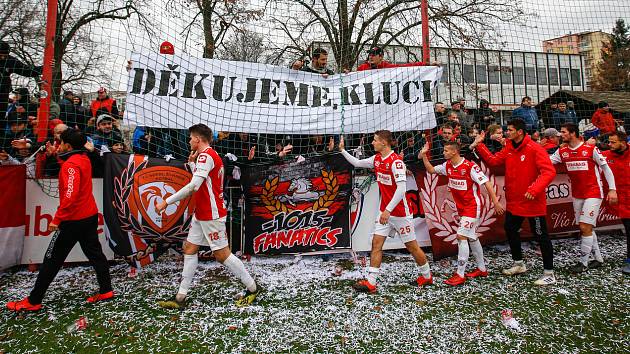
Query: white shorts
468, 227
210, 233
401, 225
586, 210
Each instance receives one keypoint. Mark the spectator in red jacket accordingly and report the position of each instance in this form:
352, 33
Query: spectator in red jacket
528, 172
603, 119
618, 158
375, 61
103, 101
76, 220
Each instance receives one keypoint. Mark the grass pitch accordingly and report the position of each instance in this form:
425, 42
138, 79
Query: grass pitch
307, 309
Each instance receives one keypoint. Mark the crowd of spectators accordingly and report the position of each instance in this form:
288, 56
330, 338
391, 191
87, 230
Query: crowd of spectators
101, 123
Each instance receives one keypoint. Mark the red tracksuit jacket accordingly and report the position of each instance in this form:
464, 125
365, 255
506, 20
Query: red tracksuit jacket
76, 200
527, 169
620, 165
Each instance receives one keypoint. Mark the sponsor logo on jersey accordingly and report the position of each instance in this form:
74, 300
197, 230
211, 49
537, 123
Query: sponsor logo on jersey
577, 166
458, 184
384, 179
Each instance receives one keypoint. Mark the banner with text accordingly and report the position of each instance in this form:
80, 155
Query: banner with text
133, 186
298, 207
177, 91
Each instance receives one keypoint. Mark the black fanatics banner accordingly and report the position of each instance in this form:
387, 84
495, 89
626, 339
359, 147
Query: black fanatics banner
132, 187
298, 207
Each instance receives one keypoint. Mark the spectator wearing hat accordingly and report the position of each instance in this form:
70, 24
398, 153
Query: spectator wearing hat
319, 63
18, 131
550, 140
603, 119
20, 101
167, 48
456, 108
79, 116
67, 98
375, 61
10, 65
103, 101
484, 116
105, 135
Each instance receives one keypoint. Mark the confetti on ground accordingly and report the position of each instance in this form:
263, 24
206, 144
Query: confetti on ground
305, 308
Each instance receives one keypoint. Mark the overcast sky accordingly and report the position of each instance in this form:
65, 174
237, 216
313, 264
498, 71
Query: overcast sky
553, 18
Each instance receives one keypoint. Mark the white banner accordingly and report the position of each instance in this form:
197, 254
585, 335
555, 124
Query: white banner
170, 91
40, 209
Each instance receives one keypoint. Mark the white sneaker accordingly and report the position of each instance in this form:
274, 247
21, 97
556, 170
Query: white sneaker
546, 279
516, 269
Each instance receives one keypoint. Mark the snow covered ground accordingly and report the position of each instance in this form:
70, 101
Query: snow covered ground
305, 308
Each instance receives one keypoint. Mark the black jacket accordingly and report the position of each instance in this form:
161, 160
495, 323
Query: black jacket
9, 66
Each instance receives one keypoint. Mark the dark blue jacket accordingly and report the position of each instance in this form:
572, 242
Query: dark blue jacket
528, 115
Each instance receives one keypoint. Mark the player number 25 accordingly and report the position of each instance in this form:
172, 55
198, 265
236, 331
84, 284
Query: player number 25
405, 230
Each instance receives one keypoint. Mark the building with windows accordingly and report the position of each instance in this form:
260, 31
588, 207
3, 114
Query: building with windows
588, 44
500, 76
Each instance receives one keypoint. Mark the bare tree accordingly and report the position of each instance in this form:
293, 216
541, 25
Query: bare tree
351, 25
244, 45
22, 27
78, 56
214, 19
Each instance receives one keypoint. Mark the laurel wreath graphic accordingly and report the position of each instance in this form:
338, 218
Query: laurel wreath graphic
275, 206
129, 223
448, 229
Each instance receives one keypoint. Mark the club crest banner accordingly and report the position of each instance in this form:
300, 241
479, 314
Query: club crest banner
261, 98
298, 207
133, 186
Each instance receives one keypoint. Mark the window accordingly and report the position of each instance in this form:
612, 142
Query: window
518, 75
564, 77
506, 75
553, 76
469, 74
494, 74
576, 78
445, 74
530, 76
456, 73
542, 76
482, 74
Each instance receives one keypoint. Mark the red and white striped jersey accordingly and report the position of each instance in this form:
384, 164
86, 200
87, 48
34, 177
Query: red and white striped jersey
209, 203
463, 182
583, 167
389, 170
